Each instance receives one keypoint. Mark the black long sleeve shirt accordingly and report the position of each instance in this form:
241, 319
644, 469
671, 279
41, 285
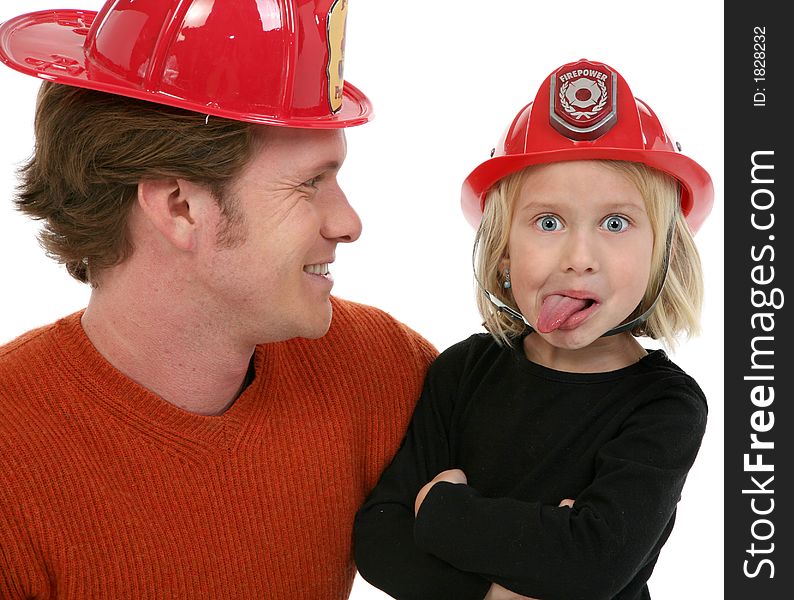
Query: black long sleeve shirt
620, 443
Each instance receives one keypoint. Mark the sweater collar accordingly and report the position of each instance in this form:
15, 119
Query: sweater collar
98, 382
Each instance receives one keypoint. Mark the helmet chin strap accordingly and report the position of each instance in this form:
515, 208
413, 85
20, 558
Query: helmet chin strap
515, 314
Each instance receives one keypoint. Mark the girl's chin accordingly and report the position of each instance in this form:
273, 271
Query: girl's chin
570, 339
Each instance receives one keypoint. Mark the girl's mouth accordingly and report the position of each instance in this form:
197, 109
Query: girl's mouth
563, 311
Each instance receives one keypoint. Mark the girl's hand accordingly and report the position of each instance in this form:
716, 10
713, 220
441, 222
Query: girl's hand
497, 592
451, 475
567, 502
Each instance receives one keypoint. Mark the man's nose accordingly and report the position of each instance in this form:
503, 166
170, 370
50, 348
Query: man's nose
341, 222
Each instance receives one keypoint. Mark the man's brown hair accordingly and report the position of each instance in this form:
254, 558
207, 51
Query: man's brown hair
91, 151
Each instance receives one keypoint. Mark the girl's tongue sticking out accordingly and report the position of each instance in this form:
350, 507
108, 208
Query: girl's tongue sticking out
557, 309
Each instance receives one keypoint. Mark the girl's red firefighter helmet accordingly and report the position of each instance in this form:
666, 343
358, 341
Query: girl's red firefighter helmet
585, 110
276, 62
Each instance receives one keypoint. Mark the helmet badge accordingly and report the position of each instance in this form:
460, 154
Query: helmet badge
583, 100
337, 21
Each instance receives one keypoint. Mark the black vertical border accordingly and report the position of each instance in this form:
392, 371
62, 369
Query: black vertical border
758, 117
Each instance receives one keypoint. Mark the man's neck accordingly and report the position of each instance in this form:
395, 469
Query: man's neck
168, 349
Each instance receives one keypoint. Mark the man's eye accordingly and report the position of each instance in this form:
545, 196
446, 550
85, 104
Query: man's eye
312, 183
549, 223
615, 223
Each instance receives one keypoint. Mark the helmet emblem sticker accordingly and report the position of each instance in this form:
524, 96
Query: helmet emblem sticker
337, 25
583, 93
583, 102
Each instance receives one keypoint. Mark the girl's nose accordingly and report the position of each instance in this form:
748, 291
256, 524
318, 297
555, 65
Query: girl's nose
580, 253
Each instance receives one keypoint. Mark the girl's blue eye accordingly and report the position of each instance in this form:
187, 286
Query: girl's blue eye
549, 223
615, 223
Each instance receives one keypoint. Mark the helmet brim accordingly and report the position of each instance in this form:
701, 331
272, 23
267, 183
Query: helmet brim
46, 45
697, 189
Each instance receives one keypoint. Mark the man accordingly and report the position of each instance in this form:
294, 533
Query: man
204, 428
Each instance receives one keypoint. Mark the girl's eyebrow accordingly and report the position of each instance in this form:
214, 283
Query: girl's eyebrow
627, 207
542, 206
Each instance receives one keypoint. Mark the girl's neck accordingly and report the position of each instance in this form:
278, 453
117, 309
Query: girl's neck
602, 355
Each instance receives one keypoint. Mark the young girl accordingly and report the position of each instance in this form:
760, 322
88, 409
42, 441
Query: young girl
545, 458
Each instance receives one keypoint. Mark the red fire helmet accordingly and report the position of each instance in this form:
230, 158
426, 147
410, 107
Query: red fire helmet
582, 111
276, 62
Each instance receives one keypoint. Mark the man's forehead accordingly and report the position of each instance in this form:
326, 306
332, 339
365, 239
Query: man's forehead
293, 150
297, 136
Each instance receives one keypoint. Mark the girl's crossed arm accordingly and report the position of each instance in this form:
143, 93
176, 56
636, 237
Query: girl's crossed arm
593, 550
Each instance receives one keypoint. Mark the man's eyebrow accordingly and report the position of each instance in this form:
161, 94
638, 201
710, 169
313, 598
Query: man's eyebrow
331, 165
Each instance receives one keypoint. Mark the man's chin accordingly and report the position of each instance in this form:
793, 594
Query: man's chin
319, 323
306, 322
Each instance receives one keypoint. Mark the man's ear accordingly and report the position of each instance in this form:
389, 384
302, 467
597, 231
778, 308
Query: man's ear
173, 207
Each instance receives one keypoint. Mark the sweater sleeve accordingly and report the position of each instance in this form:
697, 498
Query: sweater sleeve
22, 573
593, 550
384, 548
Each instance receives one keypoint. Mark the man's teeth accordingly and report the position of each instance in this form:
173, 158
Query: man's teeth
317, 269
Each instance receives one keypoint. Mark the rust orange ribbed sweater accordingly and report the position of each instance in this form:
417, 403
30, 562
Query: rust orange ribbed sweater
108, 491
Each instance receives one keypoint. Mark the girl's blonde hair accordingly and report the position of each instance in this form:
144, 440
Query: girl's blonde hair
678, 308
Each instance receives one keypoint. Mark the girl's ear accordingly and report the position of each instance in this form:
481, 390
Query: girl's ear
504, 263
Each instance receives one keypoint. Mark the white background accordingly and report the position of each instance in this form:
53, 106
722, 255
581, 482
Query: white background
446, 78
